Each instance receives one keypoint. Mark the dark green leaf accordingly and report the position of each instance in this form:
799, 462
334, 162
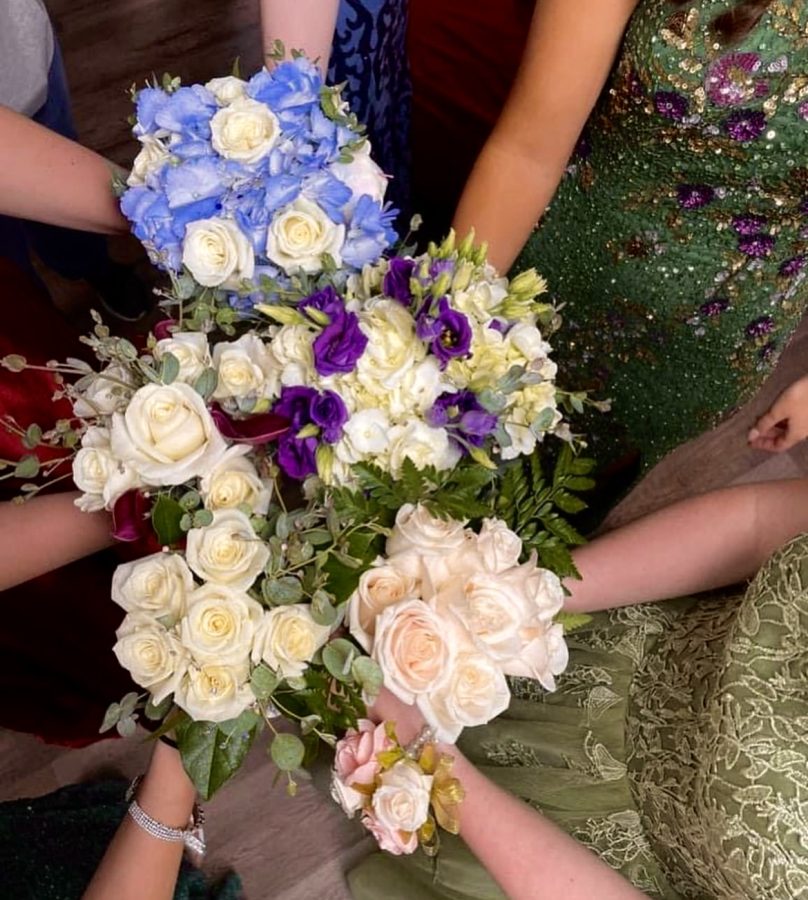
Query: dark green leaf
157, 713
287, 751
166, 516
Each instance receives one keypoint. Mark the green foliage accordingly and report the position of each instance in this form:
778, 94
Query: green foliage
287, 752
572, 621
167, 516
263, 683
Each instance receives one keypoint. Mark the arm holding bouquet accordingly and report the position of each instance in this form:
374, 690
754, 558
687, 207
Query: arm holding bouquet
305, 25
567, 58
786, 423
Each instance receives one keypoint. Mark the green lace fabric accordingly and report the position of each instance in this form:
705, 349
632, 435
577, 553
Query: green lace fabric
677, 240
676, 747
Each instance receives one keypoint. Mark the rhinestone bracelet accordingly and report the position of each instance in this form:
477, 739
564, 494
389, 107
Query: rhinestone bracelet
193, 836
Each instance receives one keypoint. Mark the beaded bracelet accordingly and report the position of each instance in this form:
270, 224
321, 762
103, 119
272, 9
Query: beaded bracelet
193, 836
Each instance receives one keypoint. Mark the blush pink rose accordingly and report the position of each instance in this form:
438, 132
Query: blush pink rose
356, 757
390, 839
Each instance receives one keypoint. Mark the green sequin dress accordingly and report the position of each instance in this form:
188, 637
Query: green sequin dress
677, 239
676, 747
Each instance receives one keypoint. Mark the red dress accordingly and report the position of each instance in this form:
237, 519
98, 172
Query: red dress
57, 670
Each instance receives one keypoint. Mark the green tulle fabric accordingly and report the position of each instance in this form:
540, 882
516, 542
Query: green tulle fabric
676, 747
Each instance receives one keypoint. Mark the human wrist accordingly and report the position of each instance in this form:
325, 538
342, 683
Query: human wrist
166, 793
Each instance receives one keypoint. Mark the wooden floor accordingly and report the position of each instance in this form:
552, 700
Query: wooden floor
291, 849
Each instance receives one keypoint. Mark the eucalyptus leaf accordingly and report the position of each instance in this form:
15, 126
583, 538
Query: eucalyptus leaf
129, 704
322, 609
309, 723
156, 713
338, 658
263, 682
287, 752
111, 717
27, 467
282, 591
169, 368
126, 727
205, 385
368, 673
33, 437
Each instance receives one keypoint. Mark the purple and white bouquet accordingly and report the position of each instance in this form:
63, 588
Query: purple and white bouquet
242, 185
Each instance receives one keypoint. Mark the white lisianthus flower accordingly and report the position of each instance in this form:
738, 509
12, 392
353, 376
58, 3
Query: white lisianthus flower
227, 89
523, 440
378, 588
423, 444
190, 348
393, 346
246, 368
217, 253
414, 649
152, 156
365, 435
292, 347
299, 236
220, 625
107, 392
157, 585
99, 474
214, 693
244, 130
475, 693
166, 435
528, 341
362, 176
401, 801
227, 551
234, 480
544, 655
288, 638
153, 656
479, 300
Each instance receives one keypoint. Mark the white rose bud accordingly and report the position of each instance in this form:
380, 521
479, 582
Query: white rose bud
244, 130
227, 551
362, 176
153, 656
299, 236
167, 435
158, 585
234, 481
217, 253
227, 89
152, 156
220, 625
246, 368
378, 588
401, 801
214, 693
191, 351
288, 638
106, 392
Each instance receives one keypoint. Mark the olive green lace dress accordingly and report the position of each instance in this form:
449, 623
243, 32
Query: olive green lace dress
676, 747
677, 240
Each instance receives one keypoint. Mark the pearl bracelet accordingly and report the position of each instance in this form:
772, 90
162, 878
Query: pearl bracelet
193, 836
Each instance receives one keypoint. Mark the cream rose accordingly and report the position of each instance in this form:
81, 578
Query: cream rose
220, 625
495, 549
158, 585
288, 638
246, 368
105, 393
544, 654
300, 235
418, 531
292, 348
95, 471
362, 176
228, 551
217, 253
152, 156
190, 348
244, 130
214, 693
423, 445
528, 341
413, 648
393, 347
475, 693
227, 89
234, 481
401, 801
153, 656
167, 435
378, 588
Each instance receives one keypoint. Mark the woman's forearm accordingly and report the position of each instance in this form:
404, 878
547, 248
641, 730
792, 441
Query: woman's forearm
45, 533
48, 178
716, 539
137, 865
306, 25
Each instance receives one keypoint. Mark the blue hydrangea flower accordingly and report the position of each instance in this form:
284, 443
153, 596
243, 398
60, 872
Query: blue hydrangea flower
370, 232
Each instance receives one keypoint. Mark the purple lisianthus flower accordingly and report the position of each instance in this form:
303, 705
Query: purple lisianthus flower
760, 327
714, 307
466, 420
453, 339
756, 245
745, 124
498, 325
329, 413
440, 267
694, 196
294, 405
339, 345
297, 457
327, 301
731, 79
793, 266
748, 224
396, 284
671, 105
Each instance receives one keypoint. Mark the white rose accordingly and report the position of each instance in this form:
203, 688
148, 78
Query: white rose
364, 435
158, 585
246, 368
153, 656
233, 481
480, 299
401, 801
362, 176
217, 253
378, 588
288, 638
167, 435
543, 655
220, 625
227, 551
495, 549
349, 799
96, 471
523, 440
227, 89
413, 648
528, 341
214, 693
424, 445
475, 693
152, 156
418, 531
190, 348
292, 347
299, 236
244, 130
105, 393
393, 346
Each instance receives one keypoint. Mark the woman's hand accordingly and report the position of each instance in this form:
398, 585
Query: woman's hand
408, 719
786, 423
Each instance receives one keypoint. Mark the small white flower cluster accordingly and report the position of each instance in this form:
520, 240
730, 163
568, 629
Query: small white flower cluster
448, 613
